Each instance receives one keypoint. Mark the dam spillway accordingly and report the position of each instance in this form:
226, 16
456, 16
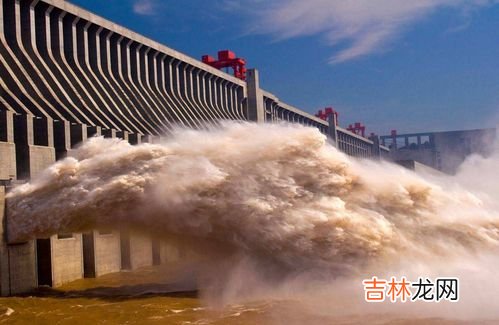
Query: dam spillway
66, 75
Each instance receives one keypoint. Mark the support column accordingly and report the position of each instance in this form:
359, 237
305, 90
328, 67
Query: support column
122, 135
7, 146
23, 129
34, 145
4, 255
62, 139
376, 147
147, 139
256, 110
94, 131
17, 261
135, 138
6, 126
332, 129
394, 140
109, 133
78, 134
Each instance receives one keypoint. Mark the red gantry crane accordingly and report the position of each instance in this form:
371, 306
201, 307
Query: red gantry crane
227, 59
328, 111
357, 128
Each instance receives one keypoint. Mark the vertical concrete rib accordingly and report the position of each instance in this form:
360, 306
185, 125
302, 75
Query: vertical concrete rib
210, 97
115, 70
233, 101
203, 97
201, 93
119, 69
16, 77
150, 74
90, 47
135, 74
186, 86
47, 93
166, 86
190, 88
178, 84
55, 49
31, 47
63, 46
43, 48
132, 71
158, 86
128, 74
171, 84
216, 98
79, 53
103, 55
142, 76
225, 98
275, 110
9, 100
219, 98
222, 99
242, 101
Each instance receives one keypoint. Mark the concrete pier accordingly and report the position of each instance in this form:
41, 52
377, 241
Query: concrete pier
169, 252
101, 253
8, 168
139, 250
17, 262
67, 258
34, 142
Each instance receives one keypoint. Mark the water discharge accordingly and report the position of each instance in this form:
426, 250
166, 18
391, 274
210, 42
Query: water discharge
279, 209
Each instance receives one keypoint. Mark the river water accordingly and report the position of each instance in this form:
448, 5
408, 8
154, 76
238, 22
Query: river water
145, 297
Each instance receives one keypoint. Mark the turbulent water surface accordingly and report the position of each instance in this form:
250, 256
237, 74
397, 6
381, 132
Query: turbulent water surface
142, 297
280, 214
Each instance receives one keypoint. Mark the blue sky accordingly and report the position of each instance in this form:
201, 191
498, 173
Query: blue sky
425, 65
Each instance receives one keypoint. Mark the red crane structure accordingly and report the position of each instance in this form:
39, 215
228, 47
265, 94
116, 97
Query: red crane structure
328, 111
357, 128
227, 59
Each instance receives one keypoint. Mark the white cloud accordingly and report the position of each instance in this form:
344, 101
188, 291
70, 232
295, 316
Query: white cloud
144, 7
355, 27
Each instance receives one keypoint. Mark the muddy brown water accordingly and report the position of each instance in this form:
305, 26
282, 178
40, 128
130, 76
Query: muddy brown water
147, 297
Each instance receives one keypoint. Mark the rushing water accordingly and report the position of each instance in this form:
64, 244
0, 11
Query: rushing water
282, 219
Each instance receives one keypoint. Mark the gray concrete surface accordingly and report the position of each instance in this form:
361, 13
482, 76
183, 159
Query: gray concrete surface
140, 250
67, 259
107, 252
17, 262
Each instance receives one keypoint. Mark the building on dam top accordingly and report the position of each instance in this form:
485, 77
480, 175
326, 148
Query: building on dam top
444, 151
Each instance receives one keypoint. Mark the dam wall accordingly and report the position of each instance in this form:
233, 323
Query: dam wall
67, 75
63, 63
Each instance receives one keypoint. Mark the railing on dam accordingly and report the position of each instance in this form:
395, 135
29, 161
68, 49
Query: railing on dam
62, 63
345, 140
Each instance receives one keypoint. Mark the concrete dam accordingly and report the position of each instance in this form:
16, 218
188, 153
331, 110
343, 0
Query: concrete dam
67, 75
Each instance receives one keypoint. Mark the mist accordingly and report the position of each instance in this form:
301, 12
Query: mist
280, 213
